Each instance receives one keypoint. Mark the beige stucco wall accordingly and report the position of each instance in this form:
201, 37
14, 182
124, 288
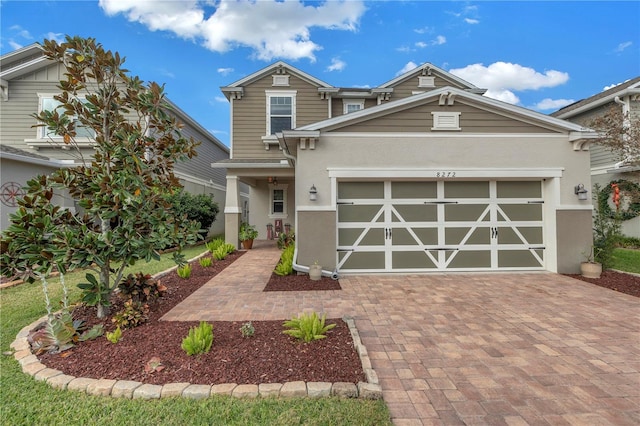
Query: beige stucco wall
574, 237
317, 234
448, 153
259, 213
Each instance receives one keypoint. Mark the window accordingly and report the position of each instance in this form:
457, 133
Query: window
47, 103
353, 105
278, 201
281, 111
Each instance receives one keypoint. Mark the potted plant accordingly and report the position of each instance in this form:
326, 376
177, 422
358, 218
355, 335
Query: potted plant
315, 271
247, 234
590, 268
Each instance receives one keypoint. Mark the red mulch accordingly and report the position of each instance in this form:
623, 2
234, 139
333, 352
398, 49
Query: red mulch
300, 283
268, 357
624, 283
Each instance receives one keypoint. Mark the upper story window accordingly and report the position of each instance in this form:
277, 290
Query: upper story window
353, 105
281, 111
47, 103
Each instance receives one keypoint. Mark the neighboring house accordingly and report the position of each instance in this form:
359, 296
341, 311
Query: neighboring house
28, 82
605, 167
419, 174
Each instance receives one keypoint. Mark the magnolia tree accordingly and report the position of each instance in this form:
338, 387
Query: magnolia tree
120, 190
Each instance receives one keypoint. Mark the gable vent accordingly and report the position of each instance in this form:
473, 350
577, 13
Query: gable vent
426, 81
280, 80
446, 120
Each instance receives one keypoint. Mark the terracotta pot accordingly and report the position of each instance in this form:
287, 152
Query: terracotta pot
590, 269
247, 244
315, 272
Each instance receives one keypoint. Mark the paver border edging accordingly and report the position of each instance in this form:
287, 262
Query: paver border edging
370, 389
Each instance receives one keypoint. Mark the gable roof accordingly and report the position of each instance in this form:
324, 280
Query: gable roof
514, 111
631, 86
430, 69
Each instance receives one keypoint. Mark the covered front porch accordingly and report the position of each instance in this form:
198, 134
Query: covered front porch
270, 207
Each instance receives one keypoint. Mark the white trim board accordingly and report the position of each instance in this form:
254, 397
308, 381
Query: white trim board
452, 173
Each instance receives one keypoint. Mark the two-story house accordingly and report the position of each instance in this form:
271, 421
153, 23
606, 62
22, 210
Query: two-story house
28, 83
605, 166
419, 174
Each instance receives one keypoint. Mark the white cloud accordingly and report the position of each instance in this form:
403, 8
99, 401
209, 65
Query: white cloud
14, 45
439, 40
336, 65
225, 71
21, 32
421, 44
271, 28
405, 49
221, 99
408, 67
502, 78
58, 37
623, 46
552, 104
471, 21
423, 30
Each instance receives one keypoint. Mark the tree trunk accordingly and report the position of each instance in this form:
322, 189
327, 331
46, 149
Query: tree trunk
103, 310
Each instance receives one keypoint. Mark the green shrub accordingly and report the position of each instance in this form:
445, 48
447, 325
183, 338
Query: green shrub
184, 271
629, 242
247, 232
308, 327
285, 265
247, 329
115, 336
606, 234
285, 240
205, 262
132, 315
62, 332
141, 288
221, 252
200, 208
199, 339
214, 244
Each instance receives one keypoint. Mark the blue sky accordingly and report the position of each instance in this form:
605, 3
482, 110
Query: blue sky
540, 54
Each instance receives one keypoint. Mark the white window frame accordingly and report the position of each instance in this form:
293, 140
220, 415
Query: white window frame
41, 131
446, 120
272, 189
281, 94
346, 103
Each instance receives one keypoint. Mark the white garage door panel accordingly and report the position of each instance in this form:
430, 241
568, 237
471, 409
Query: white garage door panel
443, 225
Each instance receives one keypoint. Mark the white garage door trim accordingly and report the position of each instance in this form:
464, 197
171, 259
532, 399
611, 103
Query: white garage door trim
454, 236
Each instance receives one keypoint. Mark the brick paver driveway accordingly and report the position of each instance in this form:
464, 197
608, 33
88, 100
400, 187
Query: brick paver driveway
514, 349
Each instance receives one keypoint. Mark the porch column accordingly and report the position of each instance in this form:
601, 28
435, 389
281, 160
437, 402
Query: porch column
232, 211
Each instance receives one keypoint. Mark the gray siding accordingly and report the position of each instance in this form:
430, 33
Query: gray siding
419, 119
208, 152
406, 87
250, 115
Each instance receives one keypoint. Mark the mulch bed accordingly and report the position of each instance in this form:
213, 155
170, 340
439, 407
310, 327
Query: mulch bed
618, 281
268, 357
300, 283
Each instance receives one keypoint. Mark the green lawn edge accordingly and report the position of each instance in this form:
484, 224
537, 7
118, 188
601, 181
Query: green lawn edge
25, 401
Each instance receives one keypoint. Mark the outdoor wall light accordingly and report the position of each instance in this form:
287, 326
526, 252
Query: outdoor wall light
580, 192
313, 193
273, 180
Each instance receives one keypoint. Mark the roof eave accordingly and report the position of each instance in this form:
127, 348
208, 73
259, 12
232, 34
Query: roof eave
598, 102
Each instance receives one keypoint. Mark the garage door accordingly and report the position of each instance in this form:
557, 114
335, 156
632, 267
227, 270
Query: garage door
397, 226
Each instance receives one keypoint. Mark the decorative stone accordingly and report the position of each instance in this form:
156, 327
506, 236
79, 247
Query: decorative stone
46, 373
344, 390
147, 391
369, 390
223, 389
124, 388
80, 384
22, 354
269, 389
294, 389
101, 387
21, 345
173, 389
245, 391
29, 359
33, 367
371, 375
60, 381
318, 389
197, 391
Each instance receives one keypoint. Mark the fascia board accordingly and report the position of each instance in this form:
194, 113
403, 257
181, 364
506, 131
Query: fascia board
261, 73
438, 70
599, 102
514, 110
189, 120
25, 68
23, 52
36, 161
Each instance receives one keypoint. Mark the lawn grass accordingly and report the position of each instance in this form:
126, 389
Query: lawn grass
24, 401
627, 260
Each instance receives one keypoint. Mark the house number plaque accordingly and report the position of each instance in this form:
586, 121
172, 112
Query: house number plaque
445, 174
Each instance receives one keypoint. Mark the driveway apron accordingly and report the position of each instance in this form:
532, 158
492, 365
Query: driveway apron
465, 349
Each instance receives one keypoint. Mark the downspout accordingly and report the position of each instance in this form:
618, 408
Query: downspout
296, 266
625, 110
